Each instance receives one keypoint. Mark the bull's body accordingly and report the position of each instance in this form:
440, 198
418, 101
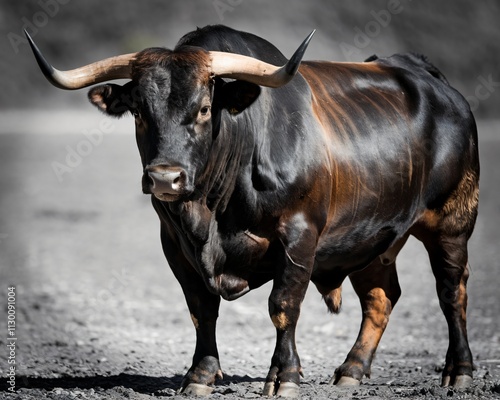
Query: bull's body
316, 180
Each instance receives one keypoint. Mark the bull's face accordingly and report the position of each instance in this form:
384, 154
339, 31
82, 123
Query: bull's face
171, 97
176, 98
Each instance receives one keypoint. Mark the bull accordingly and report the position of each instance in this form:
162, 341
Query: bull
267, 169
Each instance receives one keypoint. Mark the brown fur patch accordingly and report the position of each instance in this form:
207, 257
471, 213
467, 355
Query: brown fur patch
460, 210
280, 321
430, 219
188, 58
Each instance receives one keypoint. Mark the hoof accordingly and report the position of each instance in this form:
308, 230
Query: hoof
285, 389
288, 389
268, 389
347, 381
197, 389
461, 381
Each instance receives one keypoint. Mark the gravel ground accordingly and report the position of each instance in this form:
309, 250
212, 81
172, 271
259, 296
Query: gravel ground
100, 316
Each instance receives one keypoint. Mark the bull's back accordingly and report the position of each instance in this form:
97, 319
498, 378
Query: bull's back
401, 141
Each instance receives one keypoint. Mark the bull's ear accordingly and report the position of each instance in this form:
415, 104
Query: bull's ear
111, 99
238, 95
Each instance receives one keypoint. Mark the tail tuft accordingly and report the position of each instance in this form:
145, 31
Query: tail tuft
333, 300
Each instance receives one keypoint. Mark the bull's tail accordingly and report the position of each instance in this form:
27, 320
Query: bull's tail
333, 300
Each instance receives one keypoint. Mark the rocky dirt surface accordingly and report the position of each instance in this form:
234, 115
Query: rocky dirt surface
100, 316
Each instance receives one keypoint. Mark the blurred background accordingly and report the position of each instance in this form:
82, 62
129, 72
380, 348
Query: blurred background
80, 241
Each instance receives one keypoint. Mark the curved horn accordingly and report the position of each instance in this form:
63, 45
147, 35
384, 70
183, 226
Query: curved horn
108, 69
237, 66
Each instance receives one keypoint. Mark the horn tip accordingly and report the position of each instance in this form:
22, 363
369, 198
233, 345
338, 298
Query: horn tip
308, 39
30, 40
44, 65
293, 64
47, 69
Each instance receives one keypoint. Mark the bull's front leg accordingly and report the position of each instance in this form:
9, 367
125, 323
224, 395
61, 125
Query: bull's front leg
293, 273
204, 309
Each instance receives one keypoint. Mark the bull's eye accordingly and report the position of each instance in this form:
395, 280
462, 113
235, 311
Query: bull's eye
204, 111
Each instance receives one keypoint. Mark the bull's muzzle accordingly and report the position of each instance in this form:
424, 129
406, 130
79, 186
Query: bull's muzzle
165, 182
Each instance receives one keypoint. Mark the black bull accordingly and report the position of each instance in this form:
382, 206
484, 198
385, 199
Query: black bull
314, 180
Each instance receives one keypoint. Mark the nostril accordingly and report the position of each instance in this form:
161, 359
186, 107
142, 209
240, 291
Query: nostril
166, 180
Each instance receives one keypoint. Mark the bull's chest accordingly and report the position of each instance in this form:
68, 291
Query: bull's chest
233, 264
231, 261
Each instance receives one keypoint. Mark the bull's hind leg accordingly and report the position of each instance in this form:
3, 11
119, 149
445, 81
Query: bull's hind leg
378, 289
448, 256
445, 233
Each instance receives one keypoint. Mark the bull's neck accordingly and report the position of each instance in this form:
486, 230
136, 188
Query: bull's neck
222, 169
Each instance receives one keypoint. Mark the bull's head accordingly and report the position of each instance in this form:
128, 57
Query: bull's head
176, 100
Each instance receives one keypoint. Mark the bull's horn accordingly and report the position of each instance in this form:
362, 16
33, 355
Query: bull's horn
237, 66
108, 69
